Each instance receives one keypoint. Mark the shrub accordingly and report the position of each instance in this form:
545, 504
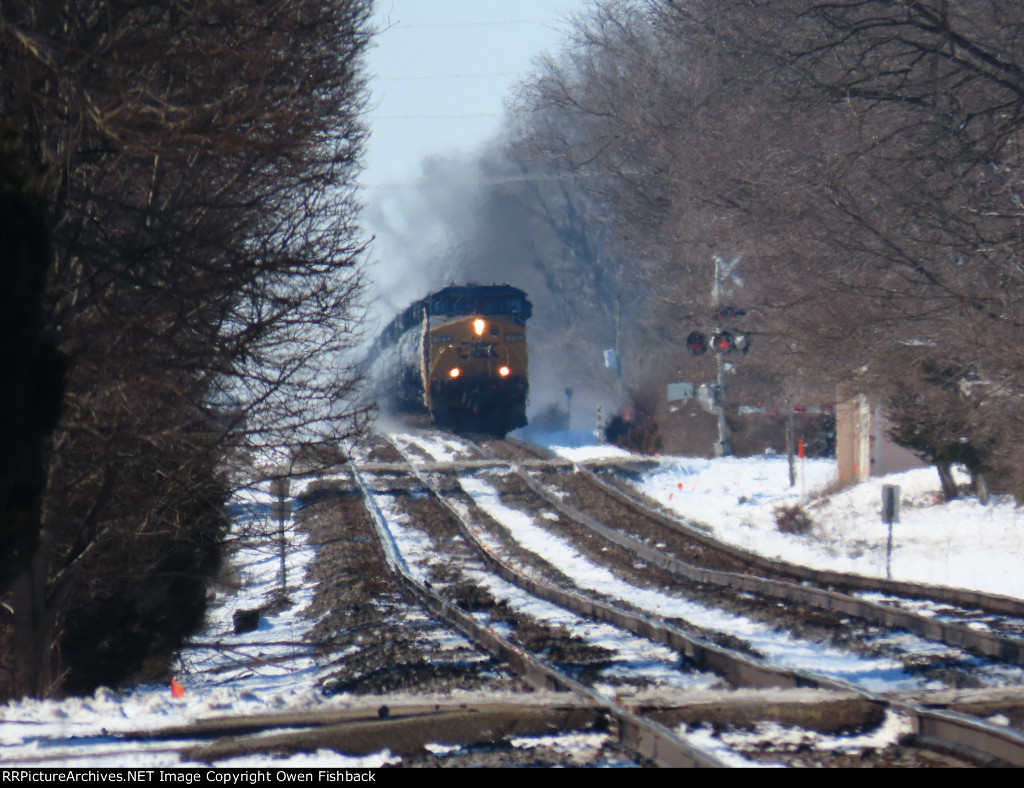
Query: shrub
793, 520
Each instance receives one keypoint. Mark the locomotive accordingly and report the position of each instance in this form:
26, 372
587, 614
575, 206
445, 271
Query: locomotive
460, 355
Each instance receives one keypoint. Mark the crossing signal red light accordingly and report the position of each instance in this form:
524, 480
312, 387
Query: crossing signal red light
723, 342
697, 343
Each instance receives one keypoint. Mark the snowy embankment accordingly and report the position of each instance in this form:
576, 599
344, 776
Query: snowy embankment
960, 544
269, 669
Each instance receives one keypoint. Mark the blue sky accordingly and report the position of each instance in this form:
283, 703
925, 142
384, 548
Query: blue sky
440, 71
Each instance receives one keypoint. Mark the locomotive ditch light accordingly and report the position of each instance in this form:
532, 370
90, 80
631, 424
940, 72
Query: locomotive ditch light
479, 326
454, 372
504, 372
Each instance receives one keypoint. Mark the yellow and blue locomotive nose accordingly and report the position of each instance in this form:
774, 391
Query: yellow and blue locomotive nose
460, 353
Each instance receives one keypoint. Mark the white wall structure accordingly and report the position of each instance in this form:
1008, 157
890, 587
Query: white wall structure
863, 447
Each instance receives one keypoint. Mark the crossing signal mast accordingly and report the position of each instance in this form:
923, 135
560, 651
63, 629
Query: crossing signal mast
721, 341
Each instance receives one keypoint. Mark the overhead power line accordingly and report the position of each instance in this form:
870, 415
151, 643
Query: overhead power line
437, 117
494, 180
447, 76
495, 23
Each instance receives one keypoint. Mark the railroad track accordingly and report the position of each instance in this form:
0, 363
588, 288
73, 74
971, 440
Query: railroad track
743, 690
740, 671
884, 602
643, 736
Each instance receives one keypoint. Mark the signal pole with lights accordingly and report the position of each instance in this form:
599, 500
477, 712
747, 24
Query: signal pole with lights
722, 342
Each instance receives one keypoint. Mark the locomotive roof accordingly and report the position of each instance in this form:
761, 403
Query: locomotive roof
472, 288
457, 300
479, 299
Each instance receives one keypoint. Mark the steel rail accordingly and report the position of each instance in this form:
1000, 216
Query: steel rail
737, 669
991, 603
403, 731
987, 644
645, 737
935, 728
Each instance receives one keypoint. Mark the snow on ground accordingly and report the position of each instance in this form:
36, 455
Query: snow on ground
960, 544
228, 674
634, 658
441, 449
778, 648
957, 544
724, 742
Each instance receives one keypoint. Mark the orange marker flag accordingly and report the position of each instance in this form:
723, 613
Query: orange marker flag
177, 690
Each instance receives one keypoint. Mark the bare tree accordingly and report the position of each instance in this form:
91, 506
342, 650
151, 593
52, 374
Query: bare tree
197, 165
664, 115
31, 392
861, 157
923, 214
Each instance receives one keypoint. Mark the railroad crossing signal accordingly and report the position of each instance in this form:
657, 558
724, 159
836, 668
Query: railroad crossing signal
720, 342
723, 342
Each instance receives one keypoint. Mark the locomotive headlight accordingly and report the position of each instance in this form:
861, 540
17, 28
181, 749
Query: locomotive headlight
504, 372
479, 326
454, 372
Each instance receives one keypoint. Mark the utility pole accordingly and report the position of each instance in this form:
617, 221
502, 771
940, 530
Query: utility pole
790, 440
618, 342
722, 448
